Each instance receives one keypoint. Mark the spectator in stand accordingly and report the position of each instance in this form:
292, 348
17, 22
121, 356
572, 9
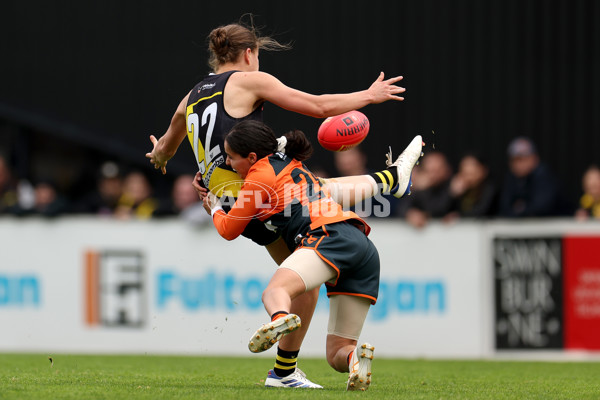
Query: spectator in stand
432, 199
8, 189
589, 205
185, 202
48, 202
530, 189
353, 162
109, 189
136, 201
475, 194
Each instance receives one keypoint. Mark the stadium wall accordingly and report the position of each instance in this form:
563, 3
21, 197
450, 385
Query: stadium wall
465, 290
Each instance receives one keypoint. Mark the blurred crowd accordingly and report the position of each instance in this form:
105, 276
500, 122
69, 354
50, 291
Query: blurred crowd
529, 190
116, 195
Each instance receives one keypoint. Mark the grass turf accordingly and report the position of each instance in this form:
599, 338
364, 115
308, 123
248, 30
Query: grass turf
30, 376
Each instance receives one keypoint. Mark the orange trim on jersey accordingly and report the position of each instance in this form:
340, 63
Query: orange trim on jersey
314, 248
332, 265
373, 299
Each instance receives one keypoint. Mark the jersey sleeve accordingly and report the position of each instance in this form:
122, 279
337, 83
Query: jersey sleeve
254, 199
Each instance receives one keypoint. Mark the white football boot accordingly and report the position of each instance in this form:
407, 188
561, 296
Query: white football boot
359, 377
296, 379
405, 164
268, 334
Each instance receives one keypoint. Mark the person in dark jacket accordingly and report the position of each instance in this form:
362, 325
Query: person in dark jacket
432, 197
475, 194
530, 188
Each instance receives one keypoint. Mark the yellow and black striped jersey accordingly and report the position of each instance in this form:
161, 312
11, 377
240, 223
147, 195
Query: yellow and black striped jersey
207, 124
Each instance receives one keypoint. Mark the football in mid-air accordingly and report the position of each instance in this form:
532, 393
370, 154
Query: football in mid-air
344, 131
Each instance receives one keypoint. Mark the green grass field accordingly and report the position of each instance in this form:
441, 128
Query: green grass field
160, 377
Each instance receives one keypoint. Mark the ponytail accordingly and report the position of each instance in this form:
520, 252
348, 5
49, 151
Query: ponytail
298, 146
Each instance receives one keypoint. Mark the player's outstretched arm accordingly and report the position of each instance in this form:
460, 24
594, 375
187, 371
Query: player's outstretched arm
269, 88
166, 147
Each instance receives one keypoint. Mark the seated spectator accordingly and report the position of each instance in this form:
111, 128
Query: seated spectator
530, 189
589, 205
184, 202
8, 189
353, 162
109, 188
48, 202
432, 199
136, 201
474, 193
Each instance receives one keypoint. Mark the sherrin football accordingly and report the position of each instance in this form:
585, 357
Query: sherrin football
344, 131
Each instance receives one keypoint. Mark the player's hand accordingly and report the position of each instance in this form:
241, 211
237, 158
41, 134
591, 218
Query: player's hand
384, 90
206, 204
210, 201
198, 184
155, 158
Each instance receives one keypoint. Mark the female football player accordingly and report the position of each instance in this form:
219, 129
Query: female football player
329, 245
236, 91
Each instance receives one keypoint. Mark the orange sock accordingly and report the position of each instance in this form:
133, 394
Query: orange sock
278, 314
349, 357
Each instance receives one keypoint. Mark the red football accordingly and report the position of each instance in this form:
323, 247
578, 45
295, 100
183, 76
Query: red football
344, 131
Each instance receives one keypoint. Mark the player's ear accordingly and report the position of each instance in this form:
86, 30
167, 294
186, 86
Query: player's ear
252, 157
248, 55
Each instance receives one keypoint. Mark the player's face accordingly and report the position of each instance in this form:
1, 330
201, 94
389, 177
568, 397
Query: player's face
240, 164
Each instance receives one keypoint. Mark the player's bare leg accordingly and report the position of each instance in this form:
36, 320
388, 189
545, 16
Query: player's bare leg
337, 350
345, 356
277, 299
283, 287
303, 305
278, 250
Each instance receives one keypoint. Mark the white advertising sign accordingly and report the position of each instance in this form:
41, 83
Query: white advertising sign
95, 285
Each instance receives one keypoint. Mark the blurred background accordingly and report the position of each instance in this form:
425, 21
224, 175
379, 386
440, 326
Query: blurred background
87, 82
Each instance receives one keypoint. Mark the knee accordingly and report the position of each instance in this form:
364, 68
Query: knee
266, 294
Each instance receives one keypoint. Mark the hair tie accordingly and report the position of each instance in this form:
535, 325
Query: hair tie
281, 142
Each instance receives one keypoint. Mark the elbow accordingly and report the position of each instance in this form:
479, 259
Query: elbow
324, 111
228, 235
322, 108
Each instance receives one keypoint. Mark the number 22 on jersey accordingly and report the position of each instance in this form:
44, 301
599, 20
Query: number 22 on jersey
205, 155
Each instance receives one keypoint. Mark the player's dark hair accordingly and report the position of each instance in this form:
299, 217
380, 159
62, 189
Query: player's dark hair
254, 136
227, 42
298, 146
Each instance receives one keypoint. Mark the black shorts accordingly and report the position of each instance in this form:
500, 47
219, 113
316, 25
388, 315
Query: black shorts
256, 230
350, 252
